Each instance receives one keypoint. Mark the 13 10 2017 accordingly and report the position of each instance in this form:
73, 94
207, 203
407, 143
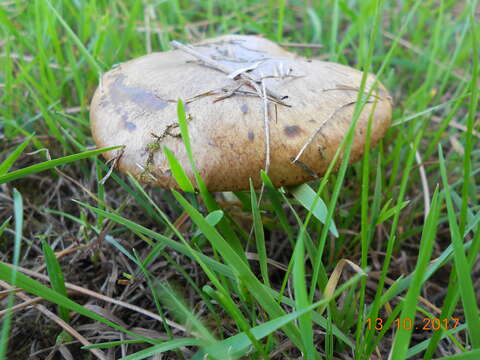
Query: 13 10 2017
425, 324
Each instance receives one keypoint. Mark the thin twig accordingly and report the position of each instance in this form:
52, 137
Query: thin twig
266, 127
301, 45
103, 298
114, 161
98, 353
456, 125
424, 181
207, 60
21, 306
314, 135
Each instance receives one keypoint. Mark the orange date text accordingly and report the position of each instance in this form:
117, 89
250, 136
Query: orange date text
425, 324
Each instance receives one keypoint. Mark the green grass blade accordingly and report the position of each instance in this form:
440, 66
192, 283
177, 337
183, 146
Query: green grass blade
417, 349
177, 171
178, 309
50, 164
276, 200
467, 290
471, 355
259, 236
469, 183
38, 289
10, 160
239, 266
238, 344
56, 277
4, 225
224, 226
403, 335
161, 348
111, 344
75, 39
280, 19
312, 202
301, 298
216, 266
12, 277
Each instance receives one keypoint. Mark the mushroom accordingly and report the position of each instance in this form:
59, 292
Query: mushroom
251, 105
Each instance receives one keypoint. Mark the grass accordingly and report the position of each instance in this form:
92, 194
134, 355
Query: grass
189, 275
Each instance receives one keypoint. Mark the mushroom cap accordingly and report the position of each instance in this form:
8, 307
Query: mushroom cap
135, 106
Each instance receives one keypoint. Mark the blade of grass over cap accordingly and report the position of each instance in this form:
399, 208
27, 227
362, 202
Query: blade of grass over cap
224, 225
178, 173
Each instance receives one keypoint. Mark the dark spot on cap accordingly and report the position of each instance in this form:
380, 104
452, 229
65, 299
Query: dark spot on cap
381, 92
251, 135
293, 130
312, 121
119, 93
130, 126
244, 108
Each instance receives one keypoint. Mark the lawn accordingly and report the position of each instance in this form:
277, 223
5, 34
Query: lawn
378, 259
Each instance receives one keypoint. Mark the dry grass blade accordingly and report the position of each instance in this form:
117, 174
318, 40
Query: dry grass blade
456, 125
301, 45
21, 306
98, 353
65, 252
335, 276
61, 173
457, 73
3, 293
96, 295
29, 58
278, 265
266, 127
114, 161
424, 181
238, 72
376, 275
76, 109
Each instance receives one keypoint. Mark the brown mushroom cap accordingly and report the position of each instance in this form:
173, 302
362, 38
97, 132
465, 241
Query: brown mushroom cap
135, 106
